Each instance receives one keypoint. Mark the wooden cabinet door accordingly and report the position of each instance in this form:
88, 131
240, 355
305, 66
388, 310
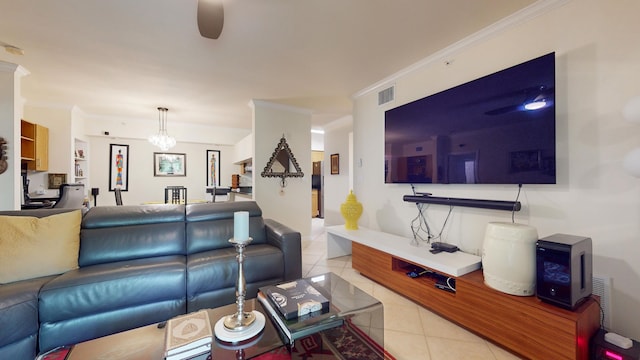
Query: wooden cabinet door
42, 148
35, 146
27, 142
314, 203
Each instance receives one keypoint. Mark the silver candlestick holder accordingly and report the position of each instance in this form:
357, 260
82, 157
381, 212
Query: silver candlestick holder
241, 320
242, 325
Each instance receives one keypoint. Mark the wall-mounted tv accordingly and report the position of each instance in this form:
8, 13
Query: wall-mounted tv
498, 129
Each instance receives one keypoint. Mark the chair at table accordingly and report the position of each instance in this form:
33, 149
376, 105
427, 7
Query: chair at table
175, 195
71, 196
118, 194
215, 191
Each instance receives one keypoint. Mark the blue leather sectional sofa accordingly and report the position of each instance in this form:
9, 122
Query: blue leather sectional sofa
140, 265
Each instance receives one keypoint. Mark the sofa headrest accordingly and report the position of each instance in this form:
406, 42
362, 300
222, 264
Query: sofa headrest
211, 225
221, 211
109, 216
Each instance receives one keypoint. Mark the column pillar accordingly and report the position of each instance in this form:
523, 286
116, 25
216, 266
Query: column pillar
11, 109
290, 205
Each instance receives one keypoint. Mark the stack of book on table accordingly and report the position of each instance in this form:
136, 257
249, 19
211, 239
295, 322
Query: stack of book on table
188, 336
298, 308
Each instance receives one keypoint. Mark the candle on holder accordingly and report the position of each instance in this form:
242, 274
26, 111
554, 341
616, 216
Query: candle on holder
241, 225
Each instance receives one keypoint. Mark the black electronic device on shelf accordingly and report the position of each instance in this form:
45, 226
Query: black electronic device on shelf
442, 282
564, 270
438, 247
446, 284
601, 349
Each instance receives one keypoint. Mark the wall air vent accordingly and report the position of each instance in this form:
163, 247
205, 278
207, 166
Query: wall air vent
602, 288
387, 95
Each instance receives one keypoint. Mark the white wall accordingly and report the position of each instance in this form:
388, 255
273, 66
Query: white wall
67, 124
192, 139
143, 185
244, 149
336, 187
290, 205
317, 142
597, 67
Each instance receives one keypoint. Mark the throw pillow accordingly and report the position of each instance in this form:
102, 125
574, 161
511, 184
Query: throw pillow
32, 247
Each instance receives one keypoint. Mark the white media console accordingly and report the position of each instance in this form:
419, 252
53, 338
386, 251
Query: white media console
522, 324
455, 264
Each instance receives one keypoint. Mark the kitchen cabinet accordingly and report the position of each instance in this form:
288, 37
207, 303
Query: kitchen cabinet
34, 142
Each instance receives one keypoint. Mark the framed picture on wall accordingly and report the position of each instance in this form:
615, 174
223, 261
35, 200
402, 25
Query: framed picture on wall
213, 168
335, 164
169, 164
118, 167
55, 180
520, 161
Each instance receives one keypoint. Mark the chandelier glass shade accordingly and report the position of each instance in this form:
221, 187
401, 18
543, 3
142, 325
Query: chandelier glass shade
162, 138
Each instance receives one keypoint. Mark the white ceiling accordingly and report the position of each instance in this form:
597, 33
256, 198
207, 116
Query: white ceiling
124, 58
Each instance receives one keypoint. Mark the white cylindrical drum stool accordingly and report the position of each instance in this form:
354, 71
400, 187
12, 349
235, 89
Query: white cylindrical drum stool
509, 258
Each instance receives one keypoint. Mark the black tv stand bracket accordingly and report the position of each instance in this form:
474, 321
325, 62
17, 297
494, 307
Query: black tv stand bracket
476, 203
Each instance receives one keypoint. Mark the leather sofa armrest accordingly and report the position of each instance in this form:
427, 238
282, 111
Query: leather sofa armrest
290, 242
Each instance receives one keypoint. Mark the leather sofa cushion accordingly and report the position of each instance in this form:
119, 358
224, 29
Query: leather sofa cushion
24, 349
106, 287
214, 270
210, 225
103, 299
117, 233
74, 331
19, 313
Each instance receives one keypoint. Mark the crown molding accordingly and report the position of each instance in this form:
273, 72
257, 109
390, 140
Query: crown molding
14, 68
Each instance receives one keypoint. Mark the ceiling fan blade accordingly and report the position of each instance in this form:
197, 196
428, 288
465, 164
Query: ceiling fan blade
210, 18
503, 110
523, 97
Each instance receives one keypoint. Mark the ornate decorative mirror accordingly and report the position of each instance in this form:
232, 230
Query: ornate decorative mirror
282, 163
3, 158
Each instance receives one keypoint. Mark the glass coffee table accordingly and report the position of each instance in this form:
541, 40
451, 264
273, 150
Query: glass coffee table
355, 323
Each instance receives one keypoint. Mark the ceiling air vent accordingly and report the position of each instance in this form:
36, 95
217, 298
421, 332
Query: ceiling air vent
386, 95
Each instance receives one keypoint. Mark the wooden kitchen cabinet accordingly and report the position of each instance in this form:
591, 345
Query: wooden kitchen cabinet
34, 142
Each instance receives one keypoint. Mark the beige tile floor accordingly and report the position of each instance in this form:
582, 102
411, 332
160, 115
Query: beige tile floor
411, 331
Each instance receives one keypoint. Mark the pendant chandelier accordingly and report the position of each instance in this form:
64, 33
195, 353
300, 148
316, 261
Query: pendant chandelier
162, 139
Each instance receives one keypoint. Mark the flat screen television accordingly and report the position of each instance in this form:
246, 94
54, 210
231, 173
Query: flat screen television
498, 129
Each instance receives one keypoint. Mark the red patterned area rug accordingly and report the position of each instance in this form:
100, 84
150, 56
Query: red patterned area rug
344, 343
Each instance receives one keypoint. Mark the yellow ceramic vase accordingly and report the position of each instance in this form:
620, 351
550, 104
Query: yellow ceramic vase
351, 211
